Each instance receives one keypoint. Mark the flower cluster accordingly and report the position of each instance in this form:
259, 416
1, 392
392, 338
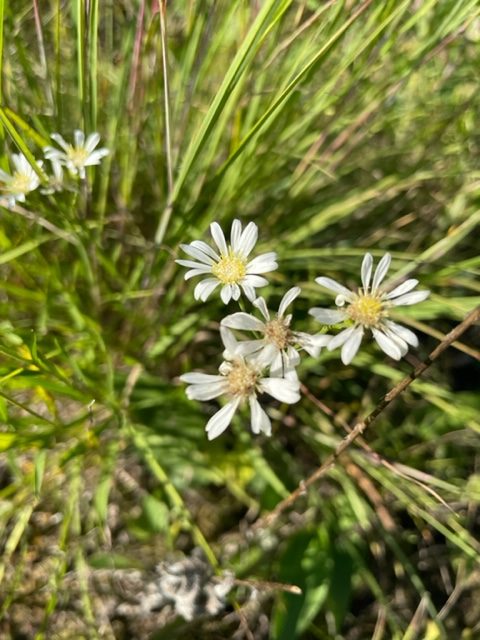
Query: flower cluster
74, 157
267, 363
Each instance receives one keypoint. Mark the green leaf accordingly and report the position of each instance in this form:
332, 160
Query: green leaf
7, 440
306, 563
157, 513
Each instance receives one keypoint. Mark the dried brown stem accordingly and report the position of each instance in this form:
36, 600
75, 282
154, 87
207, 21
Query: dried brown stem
360, 427
46, 224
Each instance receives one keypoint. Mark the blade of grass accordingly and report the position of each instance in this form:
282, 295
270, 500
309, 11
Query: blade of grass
93, 61
21, 144
2, 18
269, 13
81, 75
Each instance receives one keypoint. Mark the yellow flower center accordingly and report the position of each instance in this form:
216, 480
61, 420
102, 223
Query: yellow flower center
77, 156
278, 333
21, 183
230, 269
242, 378
366, 310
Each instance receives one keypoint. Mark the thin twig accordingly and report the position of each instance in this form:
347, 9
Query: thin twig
41, 51
264, 585
361, 427
371, 455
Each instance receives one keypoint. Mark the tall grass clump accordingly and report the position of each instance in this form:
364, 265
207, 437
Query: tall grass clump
339, 128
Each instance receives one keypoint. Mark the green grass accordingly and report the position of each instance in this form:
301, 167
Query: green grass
338, 127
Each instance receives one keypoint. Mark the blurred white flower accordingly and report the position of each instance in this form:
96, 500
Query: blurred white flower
22, 181
240, 379
55, 182
230, 267
278, 346
77, 156
368, 308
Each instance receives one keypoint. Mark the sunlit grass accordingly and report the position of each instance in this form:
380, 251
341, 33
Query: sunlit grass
337, 127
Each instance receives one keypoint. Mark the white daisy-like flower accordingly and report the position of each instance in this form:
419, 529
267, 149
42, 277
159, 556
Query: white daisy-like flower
241, 380
368, 308
278, 346
23, 180
79, 155
230, 265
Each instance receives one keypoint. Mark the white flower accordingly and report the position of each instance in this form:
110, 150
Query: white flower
240, 379
79, 155
277, 349
231, 266
23, 181
55, 182
368, 308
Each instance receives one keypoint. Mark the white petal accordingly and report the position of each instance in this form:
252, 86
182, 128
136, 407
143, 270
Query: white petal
255, 281
79, 138
54, 155
229, 340
400, 342
196, 253
260, 422
267, 355
21, 163
196, 377
264, 263
249, 291
192, 273
287, 299
60, 140
381, 271
327, 316
248, 239
235, 235
92, 141
411, 298
194, 265
278, 364
406, 286
235, 291
204, 288
262, 306
293, 357
95, 157
291, 374
333, 285
243, 321
281, 389
340, 338
350, 347
366, 270
226, 293
313, 344
403, 332
204, 248
208, 391
220, 421
387, 345
219, 238
247, 347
